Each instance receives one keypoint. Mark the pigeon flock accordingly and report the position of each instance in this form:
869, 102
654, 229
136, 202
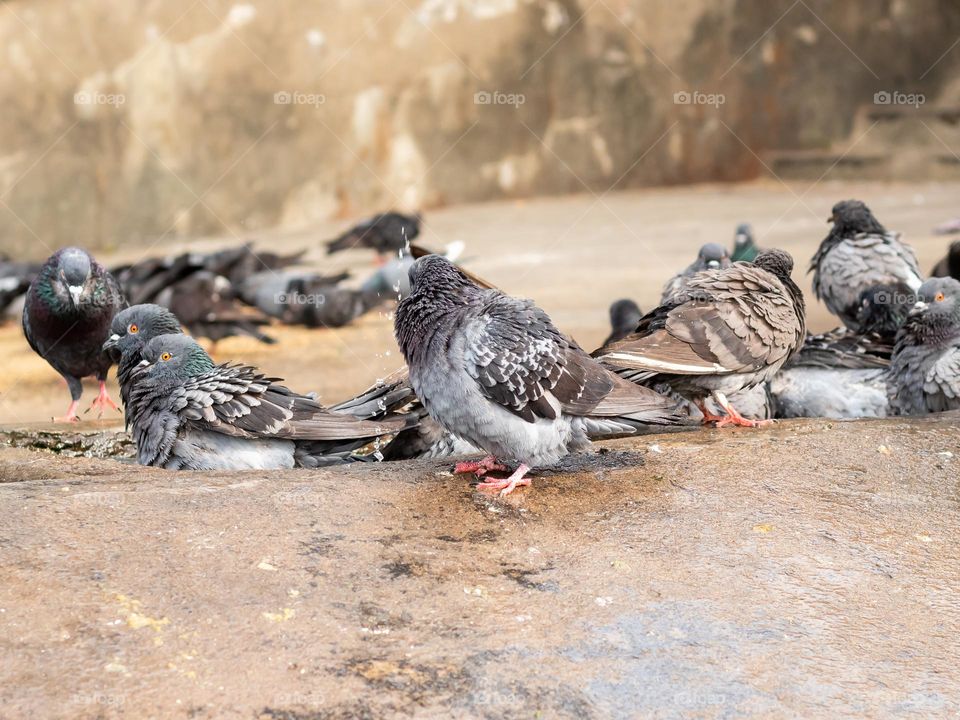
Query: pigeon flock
488, 374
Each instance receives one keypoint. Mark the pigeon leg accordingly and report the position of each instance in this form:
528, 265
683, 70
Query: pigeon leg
735, 418
709, 417
479, 467
507, 485
71, 416
102, 401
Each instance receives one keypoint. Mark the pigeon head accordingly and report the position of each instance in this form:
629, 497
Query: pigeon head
883, 308
778, 262
624, 313
850, 217
713, 256
743, 237
936, 315
135, 326
169, 360
435, 275
73, 278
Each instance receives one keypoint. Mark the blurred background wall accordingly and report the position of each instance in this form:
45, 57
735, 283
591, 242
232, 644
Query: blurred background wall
124, 122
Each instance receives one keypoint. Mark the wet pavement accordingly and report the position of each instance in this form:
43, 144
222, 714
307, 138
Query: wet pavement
806, 570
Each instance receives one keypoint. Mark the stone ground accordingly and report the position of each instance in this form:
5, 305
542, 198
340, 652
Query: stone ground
806, 570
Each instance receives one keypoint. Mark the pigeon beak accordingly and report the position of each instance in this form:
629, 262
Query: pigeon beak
831, 219
143, 363
75, 292
111, 342
919, 307
712, 264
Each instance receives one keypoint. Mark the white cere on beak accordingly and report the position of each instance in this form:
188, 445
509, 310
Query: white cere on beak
114, 337
920, 306
143, 363
75, 292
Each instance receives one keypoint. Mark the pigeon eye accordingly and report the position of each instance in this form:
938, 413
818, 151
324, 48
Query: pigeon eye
133, 329
166, 356
938, 297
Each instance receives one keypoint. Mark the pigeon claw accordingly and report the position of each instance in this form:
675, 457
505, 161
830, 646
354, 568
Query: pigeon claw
102, 401
479, 467
735, 418
71, 416
507, 485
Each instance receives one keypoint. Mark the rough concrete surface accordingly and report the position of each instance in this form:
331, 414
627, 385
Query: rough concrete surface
809, 570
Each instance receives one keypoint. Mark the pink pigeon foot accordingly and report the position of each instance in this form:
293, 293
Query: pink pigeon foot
102, 400
479, 467
71, 416
507, 485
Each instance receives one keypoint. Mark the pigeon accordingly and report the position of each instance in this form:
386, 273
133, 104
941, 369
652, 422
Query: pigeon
744, 247
385, 233
839, 375
492, 369
949, 265
729, 330
206, 305
132, 328
712, 256
949, 227
189, 414
625, 314
66, 316
925, 368
15, 279
859, 253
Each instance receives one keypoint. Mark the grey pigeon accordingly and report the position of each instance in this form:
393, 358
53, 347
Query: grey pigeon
838, 375
66, 317
712, 256
729, 330
132, 328
493, 370
744, 246
925, 368
949, 265
385, 233
625, 314
859, 253
189, 414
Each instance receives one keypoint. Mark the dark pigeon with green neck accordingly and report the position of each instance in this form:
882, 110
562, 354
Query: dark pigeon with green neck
187, 413
66, 319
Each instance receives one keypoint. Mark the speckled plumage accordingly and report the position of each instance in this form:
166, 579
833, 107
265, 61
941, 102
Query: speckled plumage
729, 330
857, 254
187, 413
493, 370
925, 368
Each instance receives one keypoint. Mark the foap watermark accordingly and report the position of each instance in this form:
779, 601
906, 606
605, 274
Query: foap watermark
486, 97
297, 499
100, 498
286, 97
98, 698
310, 699
885, 296
695, 97
88, 97
295, 298
895, 97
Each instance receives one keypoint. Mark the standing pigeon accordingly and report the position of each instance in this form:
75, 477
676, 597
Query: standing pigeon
744, 246
729, 330
386, 233
189, 414
493, 370
925, 368
859, 253
712, 256
66, 316
132, 328
949, 266
624, 316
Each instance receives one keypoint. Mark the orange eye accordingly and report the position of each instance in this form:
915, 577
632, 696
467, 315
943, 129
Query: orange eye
938, 297
133, 329
166, 356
